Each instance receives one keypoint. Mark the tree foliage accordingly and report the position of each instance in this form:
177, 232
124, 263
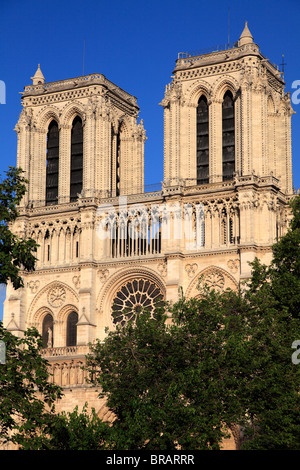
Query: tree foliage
175, 384
28, 417
26, 396
15, 253
284, 271
72, 431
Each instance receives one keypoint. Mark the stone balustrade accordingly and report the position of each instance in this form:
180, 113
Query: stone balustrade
63, 351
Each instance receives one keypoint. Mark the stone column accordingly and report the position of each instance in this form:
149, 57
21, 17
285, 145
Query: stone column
64, 164
215, 141
89, 150
38, 159
190, 152
246, 126
23, 152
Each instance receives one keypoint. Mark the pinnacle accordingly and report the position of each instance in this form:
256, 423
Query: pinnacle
38, 77
246, 37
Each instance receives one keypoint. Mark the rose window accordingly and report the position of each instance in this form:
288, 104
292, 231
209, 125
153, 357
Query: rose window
133, 297
56, 296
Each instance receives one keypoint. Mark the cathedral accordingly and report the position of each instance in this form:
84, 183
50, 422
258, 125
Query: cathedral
106, 245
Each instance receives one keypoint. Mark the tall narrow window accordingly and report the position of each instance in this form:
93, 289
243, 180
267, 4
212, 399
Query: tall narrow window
47, 246
118, 165
231, 237
47, 331
112, 161
76, 159
228, 135
72, 329
202, 141
52, 164
118, 157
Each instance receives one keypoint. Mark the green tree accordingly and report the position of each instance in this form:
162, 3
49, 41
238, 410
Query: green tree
270, 395
170, 385
75, 431
27, 397
284, 271
15, 253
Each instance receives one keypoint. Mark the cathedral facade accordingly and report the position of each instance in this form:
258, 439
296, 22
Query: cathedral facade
106, 245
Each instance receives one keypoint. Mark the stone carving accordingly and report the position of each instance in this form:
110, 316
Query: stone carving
191, 269
76, 281
65, 374
215, 280
103, 274
68, 373
162, 268
56, 296
34, 285
233, 264
49, 342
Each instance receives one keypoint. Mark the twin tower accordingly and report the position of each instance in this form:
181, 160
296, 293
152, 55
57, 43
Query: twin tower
104, 244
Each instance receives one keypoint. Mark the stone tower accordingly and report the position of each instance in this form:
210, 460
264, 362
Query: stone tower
234, 100
105, 244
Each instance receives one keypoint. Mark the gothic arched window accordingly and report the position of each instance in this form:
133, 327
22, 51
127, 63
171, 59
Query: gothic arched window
76, 159
202, 141
52, 164
72, 329
228, 136
119, 151
47, 331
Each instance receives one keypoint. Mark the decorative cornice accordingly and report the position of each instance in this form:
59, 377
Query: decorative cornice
94, 85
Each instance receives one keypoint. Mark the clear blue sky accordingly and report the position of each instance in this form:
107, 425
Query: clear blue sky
135, 45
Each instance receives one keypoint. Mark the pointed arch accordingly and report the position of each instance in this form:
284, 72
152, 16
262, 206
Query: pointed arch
71, 336
121, 134
215, 277
195, 91
271, 105
224, 84
52, 163
124, 126
70, 111
202, 140
47, 331
45, 116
